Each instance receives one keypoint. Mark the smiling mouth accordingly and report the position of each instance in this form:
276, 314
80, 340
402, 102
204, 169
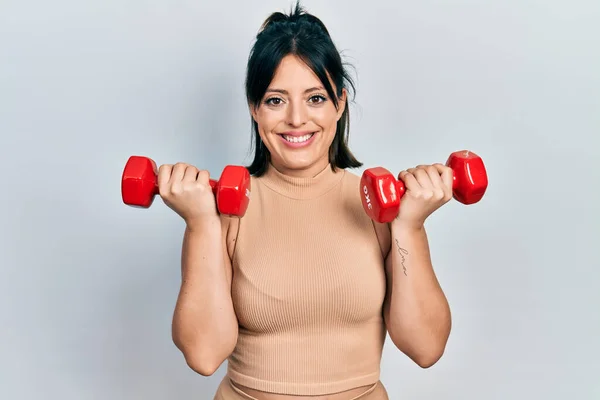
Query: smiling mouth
298, 139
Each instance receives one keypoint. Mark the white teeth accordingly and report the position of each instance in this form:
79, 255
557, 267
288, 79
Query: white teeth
297, 139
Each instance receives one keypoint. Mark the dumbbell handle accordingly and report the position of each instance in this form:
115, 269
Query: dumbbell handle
401, 188
213, 185
156, 192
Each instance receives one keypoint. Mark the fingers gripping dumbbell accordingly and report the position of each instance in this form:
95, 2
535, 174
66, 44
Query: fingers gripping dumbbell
381, 191
139, 186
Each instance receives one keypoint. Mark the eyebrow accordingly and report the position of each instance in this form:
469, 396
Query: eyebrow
282, 91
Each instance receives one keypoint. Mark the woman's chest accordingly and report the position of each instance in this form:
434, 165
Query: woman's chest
305, 266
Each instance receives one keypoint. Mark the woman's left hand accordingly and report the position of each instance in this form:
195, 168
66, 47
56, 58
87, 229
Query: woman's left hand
427, 188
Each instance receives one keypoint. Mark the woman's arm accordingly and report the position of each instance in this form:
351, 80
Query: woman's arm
416, 311
205, 326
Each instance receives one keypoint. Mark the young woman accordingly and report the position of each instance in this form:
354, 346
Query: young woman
298, 294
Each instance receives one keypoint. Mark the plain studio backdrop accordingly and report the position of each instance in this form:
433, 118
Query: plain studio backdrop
88, 285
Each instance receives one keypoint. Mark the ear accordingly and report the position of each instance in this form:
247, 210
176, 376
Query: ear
252, 110
342, 100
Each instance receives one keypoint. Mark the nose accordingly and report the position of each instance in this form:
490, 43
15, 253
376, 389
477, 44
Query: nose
296, 114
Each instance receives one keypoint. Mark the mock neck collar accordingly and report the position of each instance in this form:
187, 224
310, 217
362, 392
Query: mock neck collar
302, 188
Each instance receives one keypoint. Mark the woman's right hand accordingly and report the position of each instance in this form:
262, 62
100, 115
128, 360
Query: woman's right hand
186, 190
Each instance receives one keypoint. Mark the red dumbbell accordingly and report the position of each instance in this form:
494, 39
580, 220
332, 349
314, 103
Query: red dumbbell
139, 185
381, 191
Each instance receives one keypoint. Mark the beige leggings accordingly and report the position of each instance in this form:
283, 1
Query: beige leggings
227, 391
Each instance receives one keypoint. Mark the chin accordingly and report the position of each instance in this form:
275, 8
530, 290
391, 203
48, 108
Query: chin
295, 163
314, 164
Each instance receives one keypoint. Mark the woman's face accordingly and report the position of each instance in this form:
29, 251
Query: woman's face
297, 119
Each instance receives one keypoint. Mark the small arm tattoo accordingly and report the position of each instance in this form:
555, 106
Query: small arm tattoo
403, 253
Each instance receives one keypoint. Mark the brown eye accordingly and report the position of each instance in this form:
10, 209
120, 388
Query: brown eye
317, 99
273, 101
